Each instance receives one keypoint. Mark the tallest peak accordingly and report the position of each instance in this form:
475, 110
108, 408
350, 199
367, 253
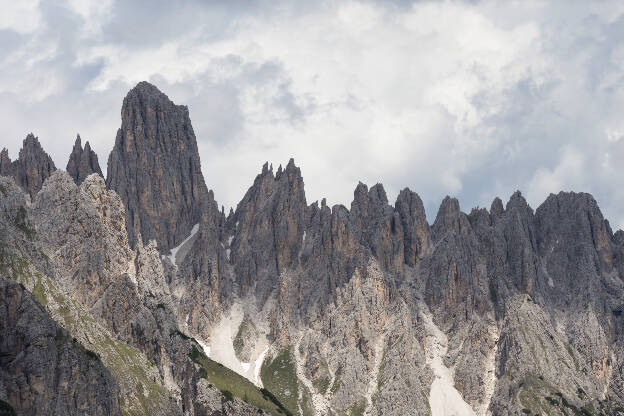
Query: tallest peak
156, 153
145, 88
147, 96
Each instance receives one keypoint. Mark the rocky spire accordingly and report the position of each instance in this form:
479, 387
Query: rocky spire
6, 167
450, 219
269, 224
155, 168
32, 167
414, 222
82, 162
377, 225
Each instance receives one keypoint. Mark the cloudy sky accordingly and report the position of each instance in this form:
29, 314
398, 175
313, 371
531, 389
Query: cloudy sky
471, 99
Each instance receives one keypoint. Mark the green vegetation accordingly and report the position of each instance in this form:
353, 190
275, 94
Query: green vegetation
268, 395
39, 292
540, 397
126, 361
6, 409
227, 395
279, 376
336, 386
225, 379
321, 382
357, 409
20, 221
307, 406
13, 265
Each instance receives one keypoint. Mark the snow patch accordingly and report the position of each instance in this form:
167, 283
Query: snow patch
490, 371
444, 399
258, 366
205, 347
227, 253
230, 238
303, 239
220, 346
222, 337
174, 251
132, 270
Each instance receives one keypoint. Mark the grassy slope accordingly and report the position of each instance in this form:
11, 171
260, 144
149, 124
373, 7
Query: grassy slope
227, 380
134, 373
279, 376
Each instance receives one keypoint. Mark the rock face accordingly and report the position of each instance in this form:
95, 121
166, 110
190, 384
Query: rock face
43, 369
268, 228
367, 310
155, 168
82, 162
32, 167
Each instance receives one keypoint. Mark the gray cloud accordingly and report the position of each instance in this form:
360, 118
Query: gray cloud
473, 99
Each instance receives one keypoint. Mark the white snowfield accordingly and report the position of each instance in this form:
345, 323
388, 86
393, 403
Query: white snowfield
220, 346
184, 246
444, 398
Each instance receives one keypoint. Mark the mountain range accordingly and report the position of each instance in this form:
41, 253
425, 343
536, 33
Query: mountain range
137, 295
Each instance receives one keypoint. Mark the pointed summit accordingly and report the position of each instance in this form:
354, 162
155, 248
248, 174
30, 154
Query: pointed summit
450, 219
155, 168
269, 222
6, 167
32, 167
82, 162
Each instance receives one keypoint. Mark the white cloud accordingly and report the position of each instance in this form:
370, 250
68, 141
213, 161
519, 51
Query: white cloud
20, 16
450, 97
567, 175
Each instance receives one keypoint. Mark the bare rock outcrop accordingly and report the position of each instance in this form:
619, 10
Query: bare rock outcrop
82, 162
155, 168
43, 369
31, 168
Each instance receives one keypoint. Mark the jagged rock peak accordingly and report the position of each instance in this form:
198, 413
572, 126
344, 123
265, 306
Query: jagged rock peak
6, 168
414, 221
450, 219
575, 217
269, 223
496, 208
362, 196
378, 193
82, 162
518, 202
155, 168
32, 167
366, 201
